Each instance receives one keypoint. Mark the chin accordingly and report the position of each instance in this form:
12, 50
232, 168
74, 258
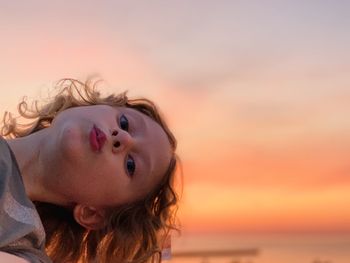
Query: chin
71, 143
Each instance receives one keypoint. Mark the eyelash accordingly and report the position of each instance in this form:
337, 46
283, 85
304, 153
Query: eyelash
126, 122
124, 125
133, 167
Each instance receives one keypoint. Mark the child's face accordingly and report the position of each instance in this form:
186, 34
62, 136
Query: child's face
120, 161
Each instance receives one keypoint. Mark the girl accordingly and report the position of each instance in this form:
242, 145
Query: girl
93, 175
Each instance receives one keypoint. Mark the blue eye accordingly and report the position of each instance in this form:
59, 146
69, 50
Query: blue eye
124, 123
130, 166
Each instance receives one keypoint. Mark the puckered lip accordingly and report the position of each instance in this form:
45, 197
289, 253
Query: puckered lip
97, 139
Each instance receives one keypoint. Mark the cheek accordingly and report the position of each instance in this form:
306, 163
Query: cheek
86, 186
101, 185
94, 179
114, 185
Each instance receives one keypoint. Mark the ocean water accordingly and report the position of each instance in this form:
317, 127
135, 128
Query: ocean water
291, 248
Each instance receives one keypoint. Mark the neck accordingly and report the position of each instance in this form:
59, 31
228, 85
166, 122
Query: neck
27, 152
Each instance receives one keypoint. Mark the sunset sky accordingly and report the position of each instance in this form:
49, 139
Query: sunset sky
257, 92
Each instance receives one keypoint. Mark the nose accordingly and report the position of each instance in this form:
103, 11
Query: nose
121, 140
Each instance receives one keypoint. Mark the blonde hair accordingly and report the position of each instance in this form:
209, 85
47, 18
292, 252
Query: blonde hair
132, 231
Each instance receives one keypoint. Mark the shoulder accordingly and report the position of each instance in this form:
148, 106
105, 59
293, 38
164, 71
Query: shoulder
9, 258
4, 149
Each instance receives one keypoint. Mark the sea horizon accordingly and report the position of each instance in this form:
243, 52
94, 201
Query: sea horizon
270, 248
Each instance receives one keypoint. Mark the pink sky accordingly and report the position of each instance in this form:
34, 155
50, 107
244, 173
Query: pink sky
258, 95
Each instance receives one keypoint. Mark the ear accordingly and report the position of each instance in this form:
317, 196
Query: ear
90, 217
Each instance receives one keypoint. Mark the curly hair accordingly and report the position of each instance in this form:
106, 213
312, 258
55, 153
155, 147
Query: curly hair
132, 232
